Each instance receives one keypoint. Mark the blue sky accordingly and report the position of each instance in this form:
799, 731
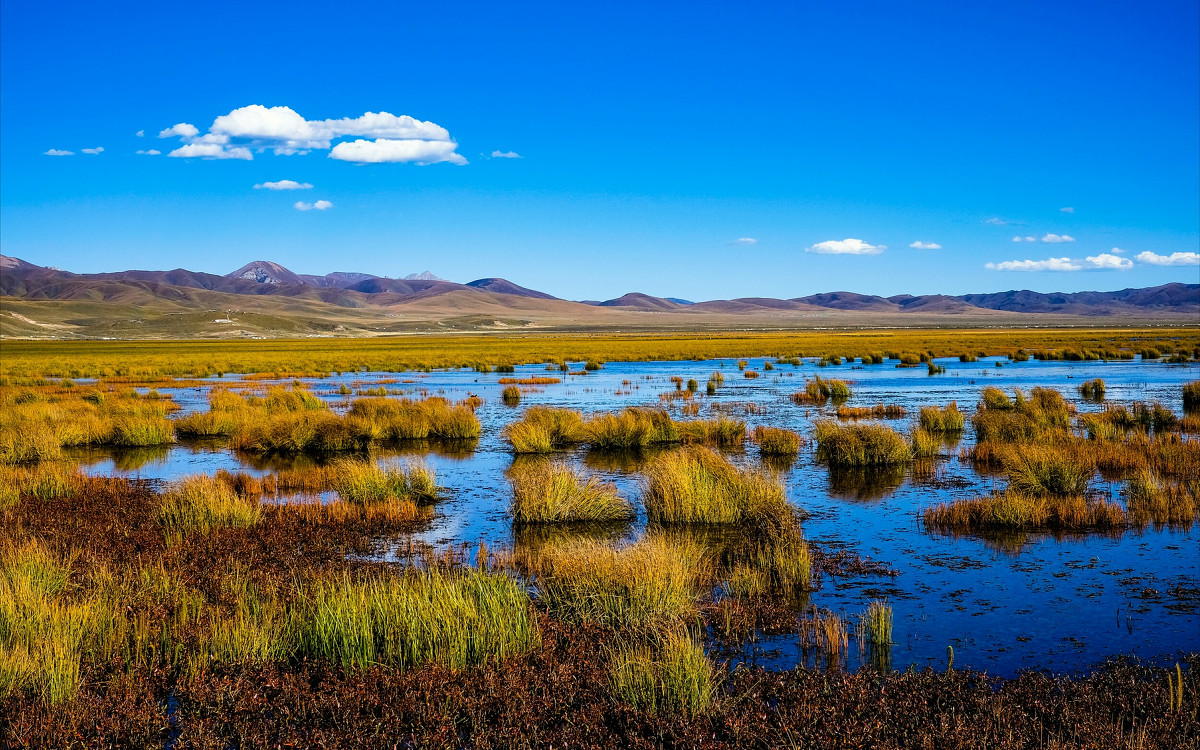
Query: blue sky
697, 150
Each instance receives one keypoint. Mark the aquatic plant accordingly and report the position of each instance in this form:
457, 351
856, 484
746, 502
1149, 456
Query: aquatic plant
1013, 511
554, 492
543, 429
199, 504
1092, 390
947, 419
860, 445
775, 441
511, 395
695, 485
878, 411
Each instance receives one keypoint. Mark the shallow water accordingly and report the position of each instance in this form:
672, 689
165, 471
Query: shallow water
1032, 602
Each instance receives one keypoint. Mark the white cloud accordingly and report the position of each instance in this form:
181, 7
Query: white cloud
925, 245
1057, 238
180, 129
58, 152
140, 133
1117, 251
92, 151
1174, 259
1031, 238
996, 221
1067, 209
1109, 261
149, 152
1050, 264
847, 246
505, 155
385, 150
283, 185
318, 205
745, 241
389, 138
211, 151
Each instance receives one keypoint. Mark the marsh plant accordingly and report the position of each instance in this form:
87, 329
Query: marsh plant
552, 492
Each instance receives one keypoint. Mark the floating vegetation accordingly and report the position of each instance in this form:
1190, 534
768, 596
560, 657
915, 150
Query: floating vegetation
819, 390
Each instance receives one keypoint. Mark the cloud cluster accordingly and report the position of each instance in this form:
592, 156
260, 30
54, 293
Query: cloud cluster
1174, 259
1049, 237
148, 152
58, 152
380, 137
849, 246
1110, 261
925, 245
284, 185
316, 205
505, 155
93, 151
1049, 264
745, 241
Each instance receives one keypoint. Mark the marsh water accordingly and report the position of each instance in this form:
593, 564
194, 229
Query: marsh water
1004, 604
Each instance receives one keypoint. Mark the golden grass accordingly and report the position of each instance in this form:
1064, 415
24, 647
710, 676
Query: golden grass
649, 585
819, 390
543, 429
1191, 395
1150, 500
529, 381
1014, 511
511, 395
193, 358
554, 492
776, 441
878, 411
947, 419
199, 504
860, 445
695, 485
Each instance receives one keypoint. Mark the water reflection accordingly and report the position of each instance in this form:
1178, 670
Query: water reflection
865, 484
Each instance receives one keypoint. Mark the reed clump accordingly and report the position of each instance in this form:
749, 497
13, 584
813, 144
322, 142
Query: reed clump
529, 381
556, 493
647, 586
42, 634
819, 390
942, 420
511, 395
454, 619
366, 483
670, 676
860, 445
878, 411
199, 504
695, 485
1048, 469
543, 429
1191, 395
776, 441
1092, 390
1151, 500
1016, 511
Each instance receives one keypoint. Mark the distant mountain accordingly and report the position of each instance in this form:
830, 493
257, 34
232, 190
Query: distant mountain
483, 301
423, 276
501, 286
641, 302
266, 272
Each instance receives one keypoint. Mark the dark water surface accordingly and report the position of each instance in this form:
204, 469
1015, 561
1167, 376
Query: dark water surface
1035, 601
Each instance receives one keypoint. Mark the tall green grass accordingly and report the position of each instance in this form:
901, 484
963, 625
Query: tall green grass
670, 676
453, 619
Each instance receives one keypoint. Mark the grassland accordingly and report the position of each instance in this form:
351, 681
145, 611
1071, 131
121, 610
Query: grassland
188, 358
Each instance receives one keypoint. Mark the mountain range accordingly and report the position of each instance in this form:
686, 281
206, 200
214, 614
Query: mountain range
57, 302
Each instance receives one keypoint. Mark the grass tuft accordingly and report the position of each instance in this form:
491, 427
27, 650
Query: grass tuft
555, 492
